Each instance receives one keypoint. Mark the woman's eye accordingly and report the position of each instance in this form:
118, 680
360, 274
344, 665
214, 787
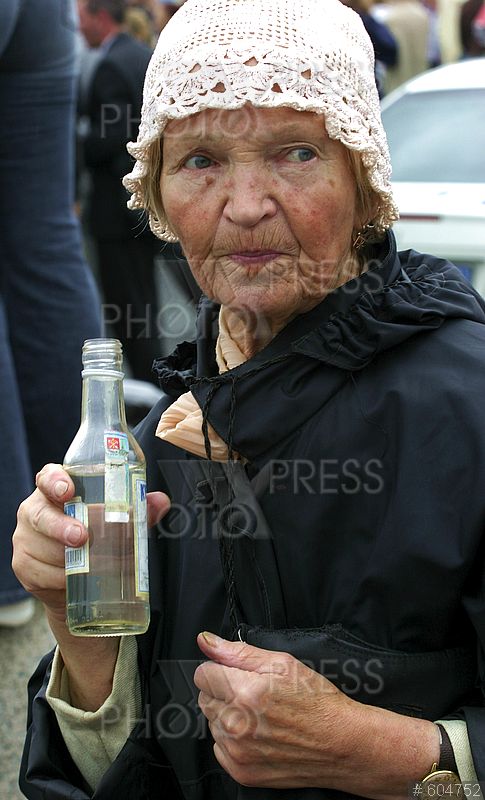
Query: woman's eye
300, 154
198, 162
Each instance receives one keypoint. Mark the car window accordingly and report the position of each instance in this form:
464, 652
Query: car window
437, 136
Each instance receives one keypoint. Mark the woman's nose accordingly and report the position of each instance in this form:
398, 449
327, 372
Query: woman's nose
249, 198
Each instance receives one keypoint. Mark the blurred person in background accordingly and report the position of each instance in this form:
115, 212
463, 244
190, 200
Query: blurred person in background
159, 11
449, 29
384, 43
123, 244
48, 299
408, 22
434, 44
166, 10
472, 28
139, 24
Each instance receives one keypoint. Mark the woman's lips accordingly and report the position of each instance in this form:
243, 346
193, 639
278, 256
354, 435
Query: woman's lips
249, 257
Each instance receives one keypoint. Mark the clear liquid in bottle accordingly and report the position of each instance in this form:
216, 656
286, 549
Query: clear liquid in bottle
106, 584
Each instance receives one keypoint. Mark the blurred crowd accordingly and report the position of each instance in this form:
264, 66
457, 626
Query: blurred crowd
452, 28
410, 36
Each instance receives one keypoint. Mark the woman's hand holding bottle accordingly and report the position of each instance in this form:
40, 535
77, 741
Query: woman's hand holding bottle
43, 531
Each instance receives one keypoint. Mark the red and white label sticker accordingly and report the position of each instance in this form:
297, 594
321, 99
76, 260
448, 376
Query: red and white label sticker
116, 443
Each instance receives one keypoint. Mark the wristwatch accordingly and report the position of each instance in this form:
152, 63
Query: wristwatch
444, 773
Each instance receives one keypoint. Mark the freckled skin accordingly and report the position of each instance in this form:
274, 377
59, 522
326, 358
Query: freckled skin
267, 180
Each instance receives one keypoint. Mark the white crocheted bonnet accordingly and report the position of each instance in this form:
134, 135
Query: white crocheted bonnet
311, 55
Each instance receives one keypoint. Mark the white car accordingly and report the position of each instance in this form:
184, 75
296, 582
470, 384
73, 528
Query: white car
435, 125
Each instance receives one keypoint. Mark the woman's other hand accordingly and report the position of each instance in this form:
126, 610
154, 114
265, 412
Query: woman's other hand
278, 724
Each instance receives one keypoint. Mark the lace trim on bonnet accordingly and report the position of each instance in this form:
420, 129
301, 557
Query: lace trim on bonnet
311, 55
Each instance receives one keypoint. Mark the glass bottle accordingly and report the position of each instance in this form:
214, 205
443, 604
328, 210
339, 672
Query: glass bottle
107, 578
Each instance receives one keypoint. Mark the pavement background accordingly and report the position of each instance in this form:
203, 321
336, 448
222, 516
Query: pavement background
20, 651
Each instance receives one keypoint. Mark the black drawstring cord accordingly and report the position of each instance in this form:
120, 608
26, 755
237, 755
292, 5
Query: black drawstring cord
226, 549
205, 422
227, 536
225, 517
232, 417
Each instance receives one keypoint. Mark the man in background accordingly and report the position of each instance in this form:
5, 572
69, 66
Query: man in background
383, 42
409, 23
124, 247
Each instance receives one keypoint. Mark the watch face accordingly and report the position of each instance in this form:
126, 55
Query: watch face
441, 783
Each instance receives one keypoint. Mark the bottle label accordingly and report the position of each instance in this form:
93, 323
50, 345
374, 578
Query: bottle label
116, 477
141, 535
77, 558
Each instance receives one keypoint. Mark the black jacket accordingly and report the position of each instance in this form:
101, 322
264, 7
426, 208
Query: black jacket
113, 107
358, 525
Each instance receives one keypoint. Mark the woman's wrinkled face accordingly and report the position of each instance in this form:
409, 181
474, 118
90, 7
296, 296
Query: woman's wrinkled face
264, 204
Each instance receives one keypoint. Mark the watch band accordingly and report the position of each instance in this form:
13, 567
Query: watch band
447, 754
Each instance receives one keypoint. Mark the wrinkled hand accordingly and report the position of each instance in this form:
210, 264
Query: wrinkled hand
43, 531
275, 722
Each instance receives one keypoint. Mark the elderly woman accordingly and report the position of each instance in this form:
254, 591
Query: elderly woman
317, 587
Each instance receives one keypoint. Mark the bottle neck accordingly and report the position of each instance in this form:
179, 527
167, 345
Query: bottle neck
103, 404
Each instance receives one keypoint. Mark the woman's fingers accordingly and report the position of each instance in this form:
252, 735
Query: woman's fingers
38, 515
41, 535
158, 504
55, 484
43, 510
46, 581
